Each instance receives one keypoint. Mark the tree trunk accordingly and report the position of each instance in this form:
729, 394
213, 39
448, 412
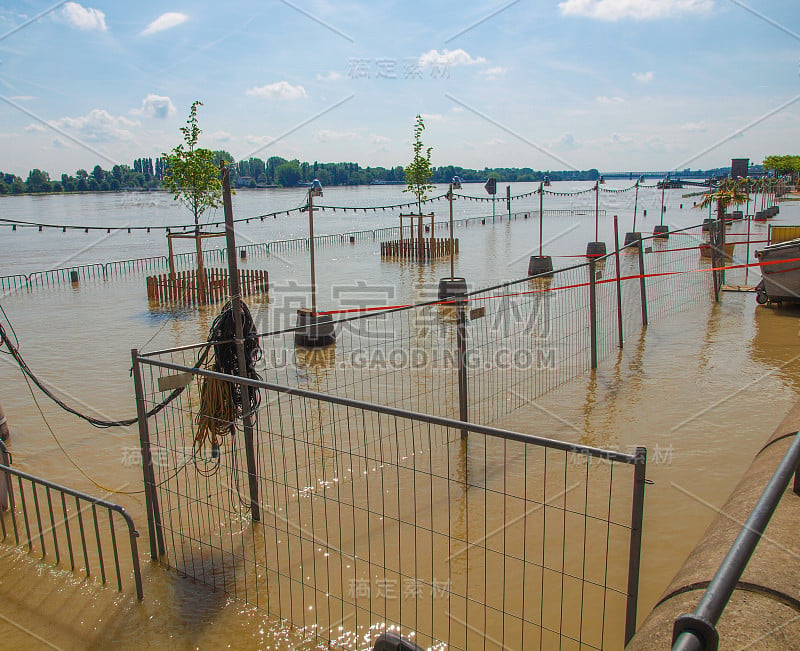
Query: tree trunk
201, 272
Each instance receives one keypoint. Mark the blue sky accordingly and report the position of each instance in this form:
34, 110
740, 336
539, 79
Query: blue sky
612, 84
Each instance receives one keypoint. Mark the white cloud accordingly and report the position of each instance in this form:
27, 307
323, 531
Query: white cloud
58, 143
448, 58
694, 127
612, 10
165, 21
326, 135
493, 73
566, 140
281, 90
258, 141
432, 117
83, 17
619, 139
98, 125
375, 139
155, 106
644, 77
494, 142
34, 127
331, 76
22, 98
221, 136
602, 99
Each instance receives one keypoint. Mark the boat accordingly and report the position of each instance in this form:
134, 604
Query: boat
602, 180
546, 181
780, 272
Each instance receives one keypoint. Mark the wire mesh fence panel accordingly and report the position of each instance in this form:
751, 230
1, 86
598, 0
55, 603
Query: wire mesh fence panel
526, 339
684, 284
373, 519
404, 358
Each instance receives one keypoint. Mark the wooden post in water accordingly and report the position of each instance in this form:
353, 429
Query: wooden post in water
238, 321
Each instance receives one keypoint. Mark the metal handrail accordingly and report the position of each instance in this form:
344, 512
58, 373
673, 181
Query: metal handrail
697, 632
6, 471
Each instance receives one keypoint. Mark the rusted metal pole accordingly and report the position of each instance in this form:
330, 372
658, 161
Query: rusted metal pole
452, 254
619, 283
236, 306
597, 211
311, 252
4, 431
541, 215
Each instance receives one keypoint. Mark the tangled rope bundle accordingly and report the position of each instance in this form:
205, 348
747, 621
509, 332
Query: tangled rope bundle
221, 402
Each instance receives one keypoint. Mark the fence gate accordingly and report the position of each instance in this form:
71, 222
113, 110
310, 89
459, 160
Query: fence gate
356, 518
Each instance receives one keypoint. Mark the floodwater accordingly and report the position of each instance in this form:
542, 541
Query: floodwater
702, 389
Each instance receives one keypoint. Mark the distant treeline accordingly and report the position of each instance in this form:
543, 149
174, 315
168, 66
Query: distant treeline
147, 174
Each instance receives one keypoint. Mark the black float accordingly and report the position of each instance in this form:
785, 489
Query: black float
540, 264
633, 238
595, 249
452, 288
317, 329
661, 231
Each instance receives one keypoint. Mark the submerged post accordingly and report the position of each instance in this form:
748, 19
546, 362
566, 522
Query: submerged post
634, 560
593, 310
236, 306
4, 431
461, 351
619, 282
154, 529
642, 285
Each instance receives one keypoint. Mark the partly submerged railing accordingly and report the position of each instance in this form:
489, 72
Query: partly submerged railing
37, 513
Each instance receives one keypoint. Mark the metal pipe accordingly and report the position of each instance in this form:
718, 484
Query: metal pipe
452, 252
593, 311
238, 321
635, 550
722, 586
461, 345
642, 283
609, 455
619, 282
154, 529
541, 215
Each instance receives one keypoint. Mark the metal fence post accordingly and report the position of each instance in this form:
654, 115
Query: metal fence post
635, 554
642, 283
593, 310
461, 345
154, 530
619, 282
238, 321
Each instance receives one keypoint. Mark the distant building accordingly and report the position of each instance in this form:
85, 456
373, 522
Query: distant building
739, 167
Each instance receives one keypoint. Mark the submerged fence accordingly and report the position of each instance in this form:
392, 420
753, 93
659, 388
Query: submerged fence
518, 340
136, 266
77, 531
346, 519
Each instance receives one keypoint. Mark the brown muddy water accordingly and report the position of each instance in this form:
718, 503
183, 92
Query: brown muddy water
701, 389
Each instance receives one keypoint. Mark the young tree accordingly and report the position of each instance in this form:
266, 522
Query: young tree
419, 171
193, 178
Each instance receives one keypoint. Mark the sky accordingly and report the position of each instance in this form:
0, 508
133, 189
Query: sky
563, 84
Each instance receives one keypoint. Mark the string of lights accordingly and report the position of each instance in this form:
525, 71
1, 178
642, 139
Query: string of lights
189, 228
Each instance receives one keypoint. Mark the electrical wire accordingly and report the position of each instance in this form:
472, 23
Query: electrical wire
95, 422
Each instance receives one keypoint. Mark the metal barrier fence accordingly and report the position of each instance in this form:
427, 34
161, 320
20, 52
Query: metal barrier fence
697, 632
42, 512
347, 519
519, 339
102, 271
